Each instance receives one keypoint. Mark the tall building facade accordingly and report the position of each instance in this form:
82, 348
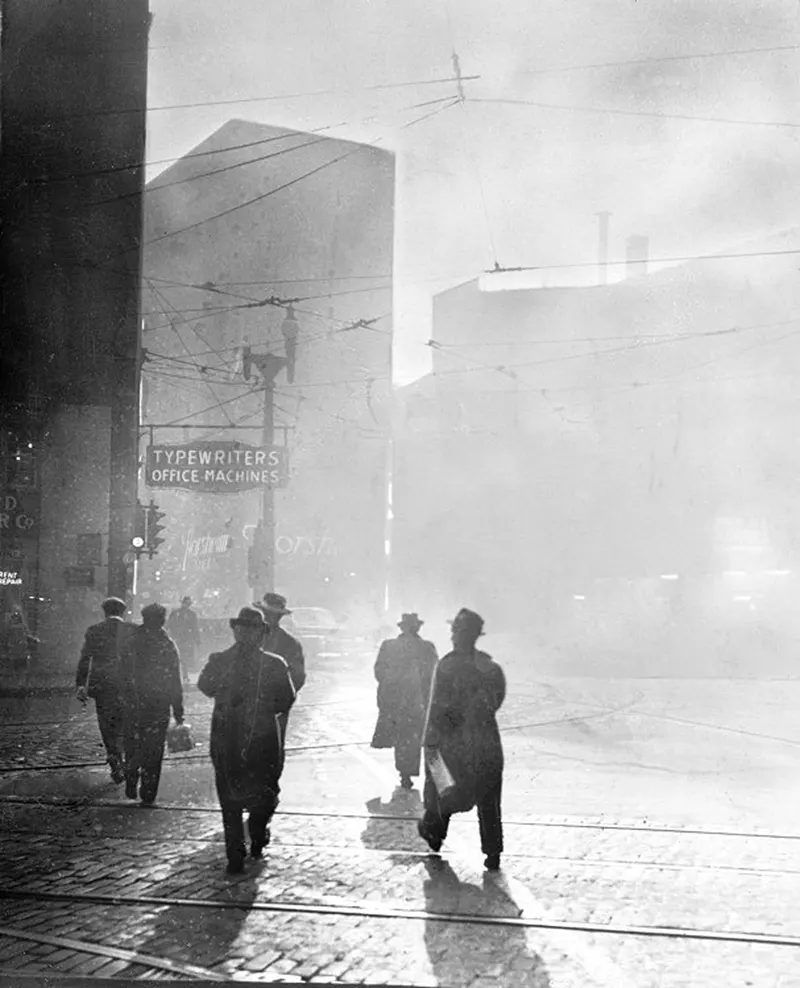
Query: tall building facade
72, 134
611, 458
255, 226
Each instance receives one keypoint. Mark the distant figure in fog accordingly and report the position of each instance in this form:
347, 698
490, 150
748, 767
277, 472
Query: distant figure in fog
150, 681
184, 630
17, 638
97, 676
404, 669
251, 689
461, 731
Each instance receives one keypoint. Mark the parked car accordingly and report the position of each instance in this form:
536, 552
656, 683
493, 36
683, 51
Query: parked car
315, 627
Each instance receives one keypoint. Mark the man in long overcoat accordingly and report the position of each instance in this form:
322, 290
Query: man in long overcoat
280, 642
97, 676
462, 741
183, 628
404, 669
251, 689
150, 682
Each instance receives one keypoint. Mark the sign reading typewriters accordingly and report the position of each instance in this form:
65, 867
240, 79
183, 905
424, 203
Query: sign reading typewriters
215, 467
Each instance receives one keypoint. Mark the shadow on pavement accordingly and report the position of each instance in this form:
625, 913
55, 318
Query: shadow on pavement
460, 954
381, 834
205, 937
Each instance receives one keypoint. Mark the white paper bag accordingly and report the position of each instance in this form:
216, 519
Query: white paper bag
440, 773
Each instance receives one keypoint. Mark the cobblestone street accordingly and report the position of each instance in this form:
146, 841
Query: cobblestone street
347, 893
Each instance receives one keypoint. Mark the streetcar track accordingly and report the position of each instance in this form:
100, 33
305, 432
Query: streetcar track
114, 953
89, 802
328, 745
390, 850
371, 911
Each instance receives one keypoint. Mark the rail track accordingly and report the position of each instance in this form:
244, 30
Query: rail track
373, 911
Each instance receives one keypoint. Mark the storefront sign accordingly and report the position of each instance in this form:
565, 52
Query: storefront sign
216, 467
17, 514
10, 576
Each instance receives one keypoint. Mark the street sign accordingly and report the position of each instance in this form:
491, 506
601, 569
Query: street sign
216, 467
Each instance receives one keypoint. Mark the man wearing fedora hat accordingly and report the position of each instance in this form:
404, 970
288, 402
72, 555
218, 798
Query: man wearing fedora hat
404, 669
280, 642
251, 689
150, 682
461, 732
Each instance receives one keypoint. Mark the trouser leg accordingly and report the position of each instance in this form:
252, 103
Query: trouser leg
110, 722
153, 734
231, 820
132, 754
490, 820
407, 753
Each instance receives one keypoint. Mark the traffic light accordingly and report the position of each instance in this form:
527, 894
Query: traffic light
139, 530
154, 526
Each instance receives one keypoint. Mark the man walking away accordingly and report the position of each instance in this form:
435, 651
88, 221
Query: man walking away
150, 679
461, 731
404, 670
184, 630
280, 642
251, 689
97, 676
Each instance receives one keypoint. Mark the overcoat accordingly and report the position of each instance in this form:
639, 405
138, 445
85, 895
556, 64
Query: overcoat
404, 669
468, 690
103, 644
251, 688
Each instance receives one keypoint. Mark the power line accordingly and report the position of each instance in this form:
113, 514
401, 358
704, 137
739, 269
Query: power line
122, 111
659, 260
633, 113
659, 58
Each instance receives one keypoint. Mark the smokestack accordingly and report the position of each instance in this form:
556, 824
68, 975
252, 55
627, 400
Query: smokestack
602, 248
637, 255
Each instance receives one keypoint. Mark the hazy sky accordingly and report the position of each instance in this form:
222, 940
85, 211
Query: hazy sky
518, 184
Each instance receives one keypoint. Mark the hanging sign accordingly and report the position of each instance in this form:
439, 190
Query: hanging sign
216, 467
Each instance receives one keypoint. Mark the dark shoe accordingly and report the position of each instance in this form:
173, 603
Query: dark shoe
434, 843
235, 864
405, 782
148, 800
257, 846
130, 790
492, 862
117, 771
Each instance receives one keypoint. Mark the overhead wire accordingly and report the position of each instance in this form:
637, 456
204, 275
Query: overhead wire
654, 59
615, 111
280, 188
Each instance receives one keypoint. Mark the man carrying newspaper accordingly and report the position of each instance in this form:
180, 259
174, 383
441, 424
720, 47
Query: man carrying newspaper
463, 752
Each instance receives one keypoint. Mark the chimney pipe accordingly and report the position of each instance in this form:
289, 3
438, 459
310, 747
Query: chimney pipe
602, 251
637, 256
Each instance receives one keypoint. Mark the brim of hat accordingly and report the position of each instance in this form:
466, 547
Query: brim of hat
274, 610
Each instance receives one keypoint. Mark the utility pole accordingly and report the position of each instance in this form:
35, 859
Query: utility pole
269, 366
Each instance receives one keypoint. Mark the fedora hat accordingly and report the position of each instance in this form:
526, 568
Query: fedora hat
410, 621
274, 603
470, 620
248, 617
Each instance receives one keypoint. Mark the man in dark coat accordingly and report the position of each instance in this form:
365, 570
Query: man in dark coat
404, 669
280, 642
150, 681
97, 676
251, 689
184, 630
463, 752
